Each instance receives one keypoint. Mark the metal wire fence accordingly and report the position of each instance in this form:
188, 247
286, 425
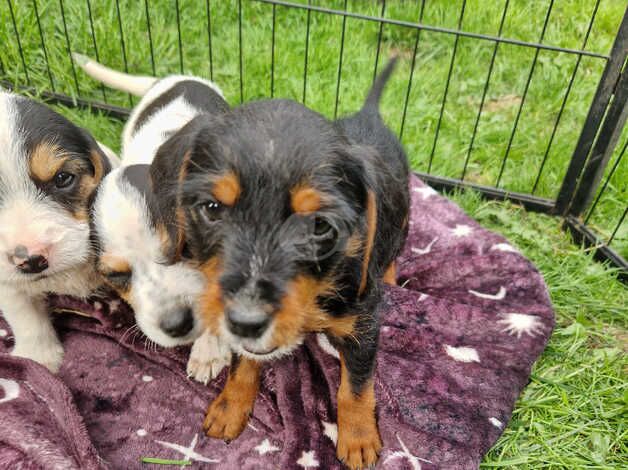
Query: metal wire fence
523, 101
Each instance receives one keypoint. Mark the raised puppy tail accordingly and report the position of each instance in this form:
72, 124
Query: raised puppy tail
137, 85
371, 105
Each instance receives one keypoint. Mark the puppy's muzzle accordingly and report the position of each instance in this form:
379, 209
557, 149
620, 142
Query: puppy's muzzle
28, 261
178, 323
247, 323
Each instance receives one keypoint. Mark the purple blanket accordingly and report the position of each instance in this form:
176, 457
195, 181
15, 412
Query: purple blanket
458, 339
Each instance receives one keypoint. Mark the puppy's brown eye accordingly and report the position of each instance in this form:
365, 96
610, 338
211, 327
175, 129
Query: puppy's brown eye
210, 211
64, 179
322, 227
325, 237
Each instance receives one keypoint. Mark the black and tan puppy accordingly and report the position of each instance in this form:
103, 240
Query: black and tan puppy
295, 221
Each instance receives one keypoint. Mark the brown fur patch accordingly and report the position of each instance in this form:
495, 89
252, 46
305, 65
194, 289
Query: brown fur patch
110, 263
211, 302
305, 199
301, 314
88, 182
179, 240
390, 276
46, 159
125, 295
359, 443
371, 226
228, 414
99, 168
82, 215
226, 189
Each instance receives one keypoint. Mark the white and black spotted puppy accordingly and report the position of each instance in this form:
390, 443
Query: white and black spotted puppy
140, 249
49, 172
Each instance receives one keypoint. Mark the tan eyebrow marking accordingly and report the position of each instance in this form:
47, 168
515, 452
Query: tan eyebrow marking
226, 189
111, 263
304, 199
45, 161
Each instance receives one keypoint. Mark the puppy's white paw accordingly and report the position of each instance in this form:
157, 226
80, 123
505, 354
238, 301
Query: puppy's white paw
48, 353
207, 358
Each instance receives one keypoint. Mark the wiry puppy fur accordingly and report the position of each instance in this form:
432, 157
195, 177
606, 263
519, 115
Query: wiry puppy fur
49, 172
295, 221
140, 244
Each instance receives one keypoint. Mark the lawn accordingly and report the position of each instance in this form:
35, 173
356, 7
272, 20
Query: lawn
439, 122
572, 415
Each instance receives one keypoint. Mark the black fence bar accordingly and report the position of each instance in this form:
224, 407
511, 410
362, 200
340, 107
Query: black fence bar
150, 38
444, 102
616, 229
603, 148
603, 253
564, 103
209, 39
122, 46
486, 84
43, 45
307, 50
605, 185
113, 111
94, 44
379, 39
531, 203
342, 49
178, 16
19, 43
594, 118
69, 47
417, 38
272, 54
240, 49
435, 29
524, 95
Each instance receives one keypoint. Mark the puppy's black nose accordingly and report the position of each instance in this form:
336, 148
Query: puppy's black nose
33, 264
247, 324
178, 323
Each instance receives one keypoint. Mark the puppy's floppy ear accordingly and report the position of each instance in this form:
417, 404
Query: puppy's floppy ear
97, 156
359, 177
167, 171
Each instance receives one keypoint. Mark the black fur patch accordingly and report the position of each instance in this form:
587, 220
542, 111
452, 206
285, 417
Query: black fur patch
199, 95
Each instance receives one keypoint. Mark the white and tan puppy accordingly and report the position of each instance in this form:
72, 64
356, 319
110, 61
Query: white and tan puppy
49, 172
141, 253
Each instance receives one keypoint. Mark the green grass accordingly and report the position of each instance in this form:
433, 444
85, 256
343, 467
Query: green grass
572, 415
524, 20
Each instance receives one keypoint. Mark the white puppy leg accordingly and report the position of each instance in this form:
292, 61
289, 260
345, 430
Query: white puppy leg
208, 357
35, 338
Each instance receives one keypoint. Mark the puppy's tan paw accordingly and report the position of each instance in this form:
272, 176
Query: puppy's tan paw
208, 358
358, 446
225, 418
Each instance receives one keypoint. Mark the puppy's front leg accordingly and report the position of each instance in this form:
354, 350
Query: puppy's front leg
35, 338
209, 355
229, 412
359, 443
